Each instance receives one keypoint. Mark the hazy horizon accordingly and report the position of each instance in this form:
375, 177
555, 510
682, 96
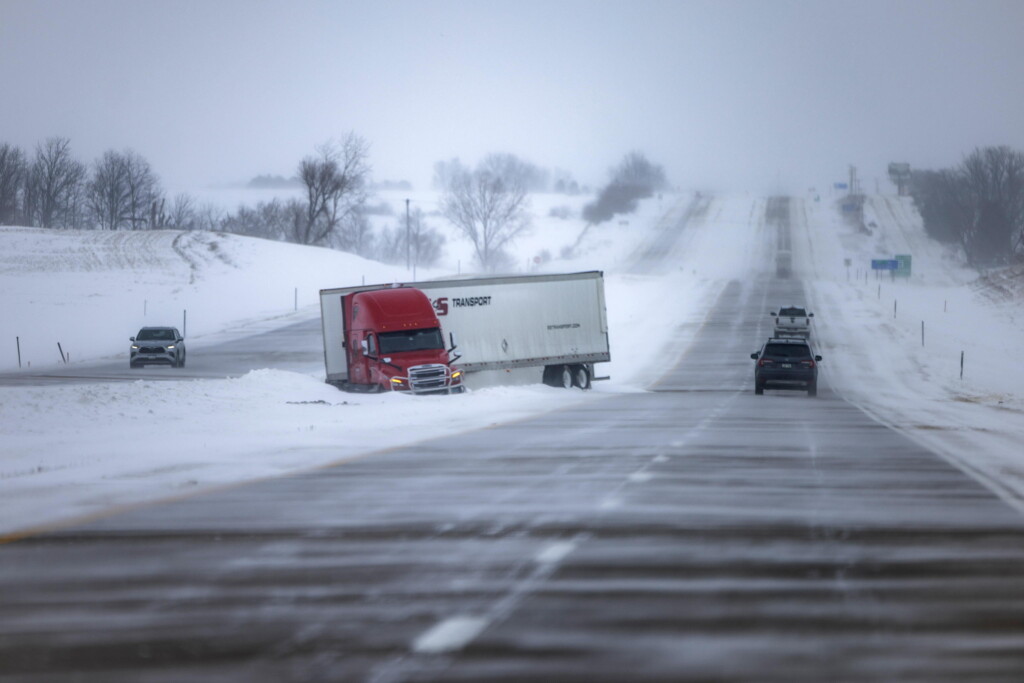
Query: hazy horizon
734, 95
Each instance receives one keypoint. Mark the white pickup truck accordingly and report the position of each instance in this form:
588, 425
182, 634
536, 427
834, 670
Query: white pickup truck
792, 321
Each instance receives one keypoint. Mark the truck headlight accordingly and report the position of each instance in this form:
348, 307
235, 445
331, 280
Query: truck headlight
457, 374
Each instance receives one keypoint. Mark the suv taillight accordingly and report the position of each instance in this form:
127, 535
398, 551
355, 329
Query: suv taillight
807, 363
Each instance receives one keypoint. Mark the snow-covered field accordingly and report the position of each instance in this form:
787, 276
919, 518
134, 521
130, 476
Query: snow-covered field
76, 450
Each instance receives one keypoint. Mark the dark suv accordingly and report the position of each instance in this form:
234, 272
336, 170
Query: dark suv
157, 345
786, 364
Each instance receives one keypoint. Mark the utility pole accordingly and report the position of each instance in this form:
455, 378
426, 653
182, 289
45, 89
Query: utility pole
407, 261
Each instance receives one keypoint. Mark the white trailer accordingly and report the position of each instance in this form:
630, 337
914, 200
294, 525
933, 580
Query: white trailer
555, 322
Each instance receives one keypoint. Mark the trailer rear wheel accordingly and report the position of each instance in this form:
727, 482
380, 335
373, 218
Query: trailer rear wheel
560, 376
581, 377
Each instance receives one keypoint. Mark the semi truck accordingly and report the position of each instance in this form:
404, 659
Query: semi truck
385, 339
556, 323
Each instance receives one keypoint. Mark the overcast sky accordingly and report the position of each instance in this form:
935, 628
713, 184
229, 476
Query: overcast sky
751, 95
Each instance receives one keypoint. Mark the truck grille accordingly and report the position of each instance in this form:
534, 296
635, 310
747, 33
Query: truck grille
424, 378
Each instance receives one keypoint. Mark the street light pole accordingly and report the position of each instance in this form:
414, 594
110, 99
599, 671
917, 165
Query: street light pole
407, 234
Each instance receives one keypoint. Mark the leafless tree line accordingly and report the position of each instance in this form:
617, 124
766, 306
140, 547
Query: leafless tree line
52, 189
120, 191
633, 179
978, 204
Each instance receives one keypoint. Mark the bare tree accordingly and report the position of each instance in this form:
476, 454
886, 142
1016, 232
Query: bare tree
635, 178
635, 171
425, 243
182, 215
107, 193
994, 181
487, 209
53, 185
335, 180
943, 204
354, 234
209, 217
445, 171
124, 193
12, 173
979, 204
143, 192
268, 220
510, 167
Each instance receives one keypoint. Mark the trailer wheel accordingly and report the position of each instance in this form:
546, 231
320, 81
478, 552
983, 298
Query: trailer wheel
581, 377
566, 378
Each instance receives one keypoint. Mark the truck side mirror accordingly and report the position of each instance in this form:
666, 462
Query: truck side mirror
451, 339
365, 346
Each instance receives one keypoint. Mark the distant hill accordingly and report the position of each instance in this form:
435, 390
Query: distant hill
399, 185
265, 182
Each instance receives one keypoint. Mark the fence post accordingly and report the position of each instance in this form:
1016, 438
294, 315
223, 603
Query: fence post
184, 323
961, 366
62, 356
922, 333
17, 340
296, 298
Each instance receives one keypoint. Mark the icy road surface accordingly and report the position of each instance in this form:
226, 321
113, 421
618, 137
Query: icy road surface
695, 531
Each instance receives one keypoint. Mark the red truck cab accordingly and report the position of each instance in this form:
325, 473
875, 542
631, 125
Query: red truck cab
393, 342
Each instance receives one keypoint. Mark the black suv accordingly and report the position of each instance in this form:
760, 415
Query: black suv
157, 345
786, 364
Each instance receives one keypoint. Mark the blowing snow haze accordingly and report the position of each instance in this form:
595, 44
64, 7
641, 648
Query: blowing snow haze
749, 95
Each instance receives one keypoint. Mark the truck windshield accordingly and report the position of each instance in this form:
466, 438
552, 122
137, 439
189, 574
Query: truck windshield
412, 340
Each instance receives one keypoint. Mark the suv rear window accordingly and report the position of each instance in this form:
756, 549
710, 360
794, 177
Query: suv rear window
787, 351
793, 312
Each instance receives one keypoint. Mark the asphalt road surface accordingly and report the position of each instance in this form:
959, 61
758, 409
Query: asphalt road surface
693, 532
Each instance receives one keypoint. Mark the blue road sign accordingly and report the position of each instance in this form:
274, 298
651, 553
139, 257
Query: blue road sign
884, 264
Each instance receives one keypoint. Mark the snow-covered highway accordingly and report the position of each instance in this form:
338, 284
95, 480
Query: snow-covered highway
690, 530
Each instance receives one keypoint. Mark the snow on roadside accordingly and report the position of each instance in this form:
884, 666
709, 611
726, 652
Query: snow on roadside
75, 450
870, 331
